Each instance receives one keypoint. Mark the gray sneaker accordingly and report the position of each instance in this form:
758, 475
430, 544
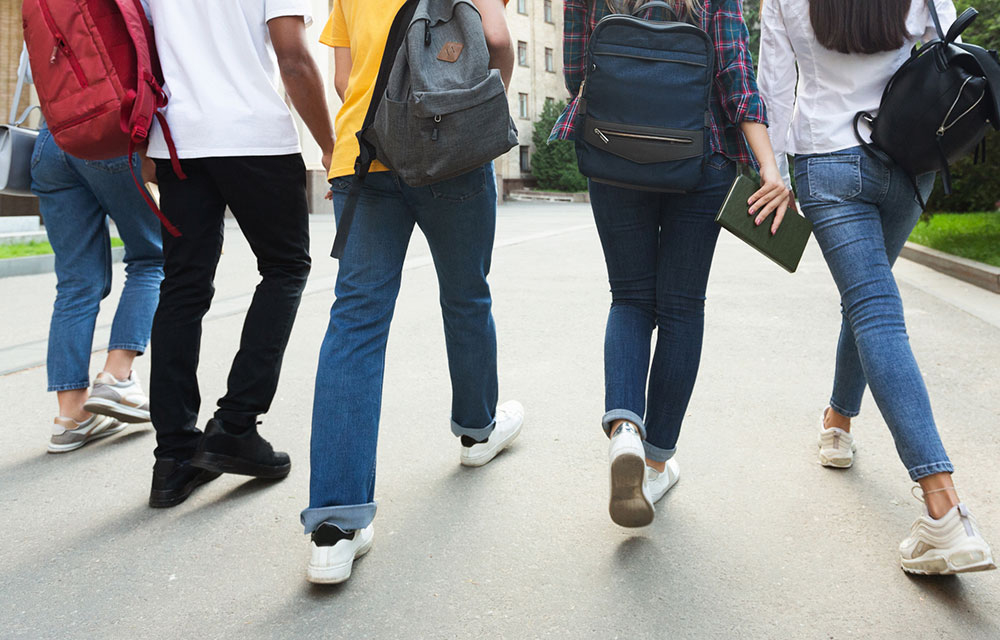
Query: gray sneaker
68, 434
119, 399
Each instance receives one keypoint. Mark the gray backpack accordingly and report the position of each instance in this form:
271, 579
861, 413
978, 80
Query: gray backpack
437, 110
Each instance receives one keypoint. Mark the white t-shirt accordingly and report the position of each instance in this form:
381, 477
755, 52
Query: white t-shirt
220, 74
813, 93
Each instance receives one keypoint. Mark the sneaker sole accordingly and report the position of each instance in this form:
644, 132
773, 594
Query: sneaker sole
220, 463
629, 507
483, 459
65, 448
949, 563
166, 499
339, 573
836, 463
116, 410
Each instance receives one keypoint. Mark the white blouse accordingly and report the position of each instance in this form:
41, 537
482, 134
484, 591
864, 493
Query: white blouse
811, 107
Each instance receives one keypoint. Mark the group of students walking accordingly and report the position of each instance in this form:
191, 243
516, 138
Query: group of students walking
821, 61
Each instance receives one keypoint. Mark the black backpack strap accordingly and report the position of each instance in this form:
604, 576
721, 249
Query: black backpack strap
884, 158
367, 151
936, 19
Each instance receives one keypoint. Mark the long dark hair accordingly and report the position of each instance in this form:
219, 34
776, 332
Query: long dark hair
859, 26
693, 7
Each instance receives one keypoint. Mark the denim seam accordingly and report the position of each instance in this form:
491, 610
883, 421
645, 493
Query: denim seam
924, 470
128, 346
847, 413
475, 434
71, 386
656, 453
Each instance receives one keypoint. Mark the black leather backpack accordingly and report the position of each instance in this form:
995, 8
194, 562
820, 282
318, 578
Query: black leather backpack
937, 106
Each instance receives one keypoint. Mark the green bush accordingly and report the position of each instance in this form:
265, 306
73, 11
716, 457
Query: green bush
554, 163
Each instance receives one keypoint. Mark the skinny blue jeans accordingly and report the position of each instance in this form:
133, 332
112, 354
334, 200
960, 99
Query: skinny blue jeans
862, 213
458, 218
76, 198
658, 248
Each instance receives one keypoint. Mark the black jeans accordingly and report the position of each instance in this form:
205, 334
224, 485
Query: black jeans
267, 195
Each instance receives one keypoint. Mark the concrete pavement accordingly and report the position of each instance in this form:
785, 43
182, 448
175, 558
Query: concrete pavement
756, 541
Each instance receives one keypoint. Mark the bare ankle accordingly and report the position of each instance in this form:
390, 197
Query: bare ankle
656, 464
834, 420
940, 494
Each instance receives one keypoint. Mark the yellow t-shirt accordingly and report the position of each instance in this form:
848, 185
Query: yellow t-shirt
363, 26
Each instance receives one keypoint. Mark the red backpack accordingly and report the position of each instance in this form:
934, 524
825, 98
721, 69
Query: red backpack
98, 78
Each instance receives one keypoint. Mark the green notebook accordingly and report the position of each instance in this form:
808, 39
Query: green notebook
785, 247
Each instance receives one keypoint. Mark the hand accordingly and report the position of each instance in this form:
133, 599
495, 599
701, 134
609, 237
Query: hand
148, 169
327, 160
772, 197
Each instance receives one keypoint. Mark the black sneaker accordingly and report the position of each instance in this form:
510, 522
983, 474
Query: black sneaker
246, 453
174, 480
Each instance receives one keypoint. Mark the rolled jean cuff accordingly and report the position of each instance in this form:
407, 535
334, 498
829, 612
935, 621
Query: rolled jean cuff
128, 346
924, 470
847, 413
346, 518
479, 435
70, 386
622, 414
656, 453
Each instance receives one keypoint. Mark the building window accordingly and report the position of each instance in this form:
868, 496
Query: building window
548, 12
522, 6
522, 105
522, 53
525, 159
550, 60
549, 102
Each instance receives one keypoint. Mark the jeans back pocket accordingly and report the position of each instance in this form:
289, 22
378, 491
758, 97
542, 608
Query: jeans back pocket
834, 178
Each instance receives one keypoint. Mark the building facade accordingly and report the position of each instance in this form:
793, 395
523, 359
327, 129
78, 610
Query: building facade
536, 28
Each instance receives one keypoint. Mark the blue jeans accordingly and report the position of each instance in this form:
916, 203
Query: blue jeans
658, 248
76, 198
458, 218
862, 213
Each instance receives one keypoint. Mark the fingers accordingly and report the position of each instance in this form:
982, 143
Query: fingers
778, 217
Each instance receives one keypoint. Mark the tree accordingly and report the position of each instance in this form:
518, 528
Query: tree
554, 163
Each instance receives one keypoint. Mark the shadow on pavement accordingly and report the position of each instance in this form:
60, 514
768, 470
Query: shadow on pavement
247, 488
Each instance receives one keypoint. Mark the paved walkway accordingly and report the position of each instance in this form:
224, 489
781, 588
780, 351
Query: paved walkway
757, 540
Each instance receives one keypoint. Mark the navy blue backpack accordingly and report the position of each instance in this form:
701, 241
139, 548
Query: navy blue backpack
645, 102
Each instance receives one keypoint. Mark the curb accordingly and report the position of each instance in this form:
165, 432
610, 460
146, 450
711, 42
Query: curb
978, 273
33, 265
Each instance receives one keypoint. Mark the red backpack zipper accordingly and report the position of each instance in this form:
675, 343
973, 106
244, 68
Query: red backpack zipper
62, 45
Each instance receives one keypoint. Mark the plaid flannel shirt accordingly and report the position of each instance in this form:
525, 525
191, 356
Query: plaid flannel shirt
735, 98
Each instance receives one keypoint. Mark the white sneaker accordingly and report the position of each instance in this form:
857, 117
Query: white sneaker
120, 399
949, 545
332, 564
631, 504
509, 419
68, 434
660, 483
836, 448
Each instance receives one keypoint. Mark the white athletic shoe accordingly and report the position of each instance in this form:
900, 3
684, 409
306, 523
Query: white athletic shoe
949, 545
836, 448
660, 483
68, 434
120, 399
510, 418
630, 505
332, 564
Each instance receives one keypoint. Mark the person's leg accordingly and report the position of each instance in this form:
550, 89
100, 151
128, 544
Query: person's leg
849, 381
197, 208
77, 228
688, 235
843, 195
117, 392
267, 195
628, 226
112, 184
458, 218
348, 398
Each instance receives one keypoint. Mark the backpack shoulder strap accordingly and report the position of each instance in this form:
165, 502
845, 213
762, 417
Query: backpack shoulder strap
367, 151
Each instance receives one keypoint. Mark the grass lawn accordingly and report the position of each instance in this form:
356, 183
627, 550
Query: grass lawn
968, 235
36, 249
